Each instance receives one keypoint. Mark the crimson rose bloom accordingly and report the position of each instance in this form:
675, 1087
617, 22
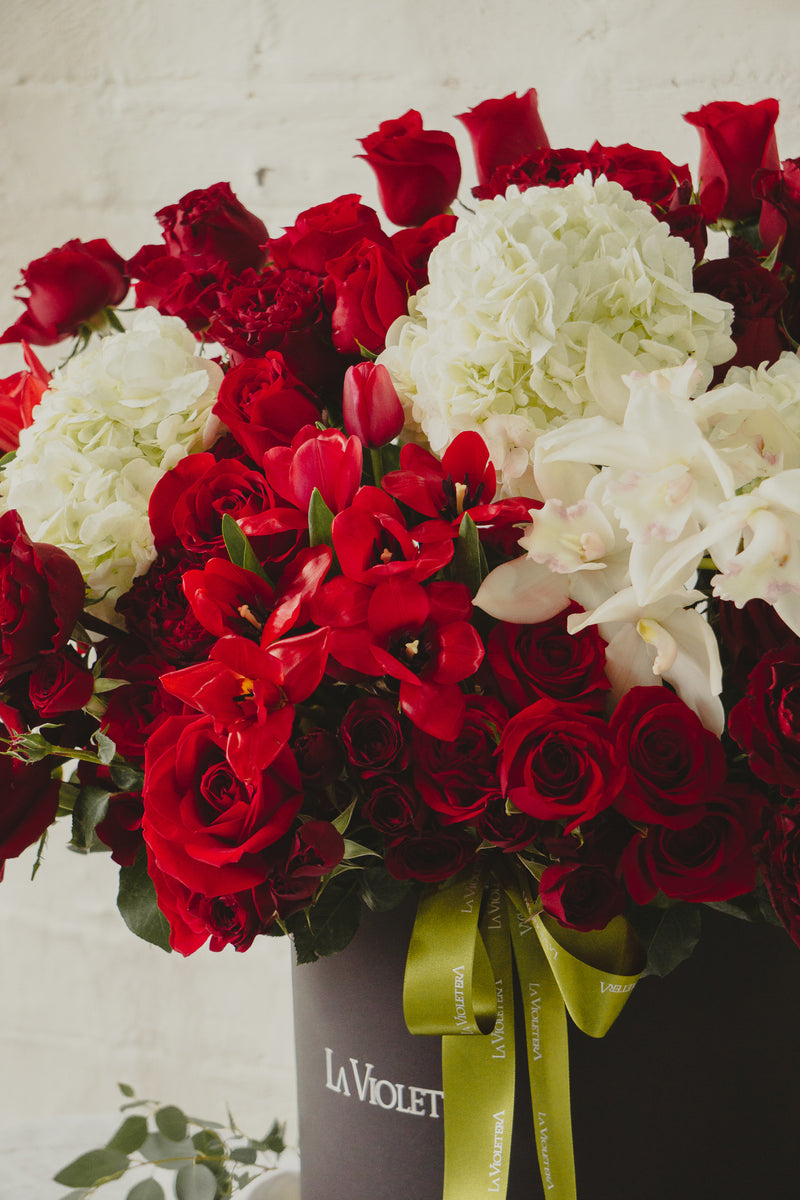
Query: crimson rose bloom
504, 131
646, 174
766, 723
19, 395
532, 661
418, 169
457, 779
202, 824
778, 854
393, 806
553, 168
264, 405
373, 736
60, 683
28, 806
429, 857
41, 597
212, 226
736, 140
171, 285
748, 633
324, 232
366, 290
68, 287
558, 763
756, 295
189, 502
413, 246
674, 763
156, 610
779, 222
581, 895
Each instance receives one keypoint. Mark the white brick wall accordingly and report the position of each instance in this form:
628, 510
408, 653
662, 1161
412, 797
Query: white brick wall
110, 111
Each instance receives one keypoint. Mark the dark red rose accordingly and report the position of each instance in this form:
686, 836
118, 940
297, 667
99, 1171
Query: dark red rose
756, 295
194, 496
778, 855
766, 723
504, 131
581, 895
212, 226
418, 170
319, 757
316, 848
457, 779
532, 661
393, 806
121, 828
41, 597
233, 920
558, 763
156, 610
779, 223
689, 222
508, 831
279, 310
710, 859
428, 857
19, 395
748, 633
646, 174
204, 825
264, 405
373, 736
67, 288
413, 246
171, 285
674, 763
544, 167
324, 232
371, 406
60, 683
132, 710
366, 290
29, 803
736, 140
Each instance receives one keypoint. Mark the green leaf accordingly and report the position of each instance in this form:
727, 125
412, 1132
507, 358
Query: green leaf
125, 777
244, 1154
195, 1182
320, 519
356, 850
468, 561
7, 458
148, 1189
91, 807
77, 1194
240, 551
380, 892
341, 822
126, 1089
106, 749
167, 1154
669, 935
208, 1143
273, 1140
331, 924
136, 901
92, 1168
171, 1122
130, 1136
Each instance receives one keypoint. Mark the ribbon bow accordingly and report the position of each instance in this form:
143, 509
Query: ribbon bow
459, 981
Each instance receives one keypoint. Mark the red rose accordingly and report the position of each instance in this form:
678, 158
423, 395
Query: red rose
373, 736
60, 683
233, 919
324, 232
504, 131
581, 895
30, 800
263, 405
41, 597
19, 395
545, 167
766, 723
756, 295
779, 223
157, 610
67, 287
413, 246
748, 633
646, 174
711, 859
532, 661
121, 827
429, 857
366, 290
393, 807
558, 763
189, 502
736, 140
418, 169
204, 825
778, 854
674, 763
509, 831
457, 779
212, 226
173, 287
688, 222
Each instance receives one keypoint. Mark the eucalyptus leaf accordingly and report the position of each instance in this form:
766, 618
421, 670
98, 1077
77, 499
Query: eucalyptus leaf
131, 1135
195, 1182
96, 1166
126, 1089
320, 519
77, 1194
208, 1143
166, 1153
147, 1189
136, 901
171, 1121
273, 1140
244, 1154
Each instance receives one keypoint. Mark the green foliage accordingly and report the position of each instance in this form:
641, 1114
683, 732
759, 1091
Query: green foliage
320, 519
331, 924
89, 809
379, 891
240, 551
136, 901
208, 1165
669, 935
469, 562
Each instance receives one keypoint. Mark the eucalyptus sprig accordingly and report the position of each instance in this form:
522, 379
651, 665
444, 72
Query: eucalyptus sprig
211, 1161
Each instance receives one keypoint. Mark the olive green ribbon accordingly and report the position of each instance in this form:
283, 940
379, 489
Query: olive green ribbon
459, 981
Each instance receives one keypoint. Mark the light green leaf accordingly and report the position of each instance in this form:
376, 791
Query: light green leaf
341, 822
195, 1182
356, 850
147, 1189
136, 901
126, 1089
240, 551
171, 1156
468, 561
320, 519
96, 1166
106, 749
131, 1134
171, 1122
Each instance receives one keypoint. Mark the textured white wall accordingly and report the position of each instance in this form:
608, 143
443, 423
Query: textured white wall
110, 111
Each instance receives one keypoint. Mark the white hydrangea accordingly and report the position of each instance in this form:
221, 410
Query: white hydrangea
114, 420
522, 295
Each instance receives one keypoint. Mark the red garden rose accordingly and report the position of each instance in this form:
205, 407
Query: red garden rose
264, 405
173, 286
418, 170
504, 131
544, 167
156, 609
189, 502
429, 857
413, 246
60, 683
748, 633
19, 395
28, 806
647, 174
212, 226
41, 597
736, 140
373, 736
121, 827
581, 895
674, 763
67, 288
457, 779
324, 232
393, 807
766, 723
367, 288
202, 823
558, 763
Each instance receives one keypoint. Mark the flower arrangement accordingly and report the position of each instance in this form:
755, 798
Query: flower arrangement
351, 563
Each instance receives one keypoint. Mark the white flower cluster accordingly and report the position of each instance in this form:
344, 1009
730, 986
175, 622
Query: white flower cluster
114, 420
537, 306
634, 506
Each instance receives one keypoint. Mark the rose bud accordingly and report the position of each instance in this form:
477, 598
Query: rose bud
371, 406
212, 226
504, 131
68, 287
418, 170
736, 140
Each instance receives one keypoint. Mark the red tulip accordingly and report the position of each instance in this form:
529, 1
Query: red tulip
371, 406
